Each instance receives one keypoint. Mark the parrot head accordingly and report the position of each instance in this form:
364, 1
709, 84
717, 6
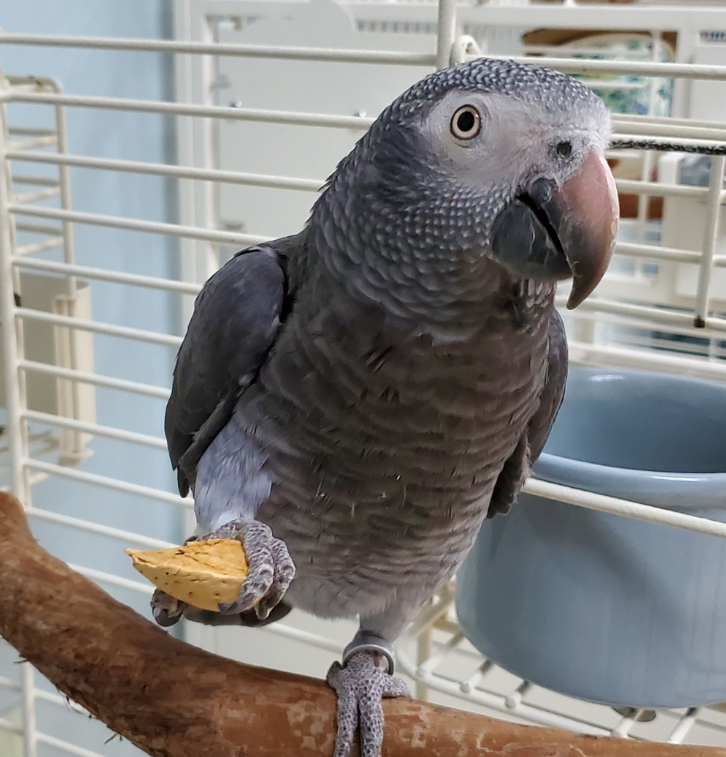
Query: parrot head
489, 162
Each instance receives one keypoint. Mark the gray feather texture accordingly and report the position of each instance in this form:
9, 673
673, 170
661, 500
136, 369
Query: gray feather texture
366, 383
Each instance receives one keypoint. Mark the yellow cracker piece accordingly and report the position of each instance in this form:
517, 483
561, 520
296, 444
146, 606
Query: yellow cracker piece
201, 573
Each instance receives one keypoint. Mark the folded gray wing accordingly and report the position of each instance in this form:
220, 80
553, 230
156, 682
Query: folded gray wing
530, 446
553, 391
235, 321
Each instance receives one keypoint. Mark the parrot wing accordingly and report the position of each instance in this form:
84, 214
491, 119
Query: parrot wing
553, 391
533, 440
236, 319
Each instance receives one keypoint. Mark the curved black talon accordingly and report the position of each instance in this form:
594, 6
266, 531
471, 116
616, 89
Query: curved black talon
247, 618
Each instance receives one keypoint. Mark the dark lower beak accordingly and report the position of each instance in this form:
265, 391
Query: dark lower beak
550, 233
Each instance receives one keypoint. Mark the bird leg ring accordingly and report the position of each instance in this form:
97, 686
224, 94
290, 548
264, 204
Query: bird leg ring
360, 685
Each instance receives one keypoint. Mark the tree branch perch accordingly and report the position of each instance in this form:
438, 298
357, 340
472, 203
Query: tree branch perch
173, 700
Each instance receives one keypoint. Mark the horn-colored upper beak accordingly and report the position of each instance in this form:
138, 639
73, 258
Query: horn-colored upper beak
589, 205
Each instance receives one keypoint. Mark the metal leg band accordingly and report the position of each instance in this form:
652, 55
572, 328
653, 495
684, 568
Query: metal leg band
367, 642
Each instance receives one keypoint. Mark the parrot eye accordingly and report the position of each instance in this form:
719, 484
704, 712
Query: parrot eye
466, 123
564, 149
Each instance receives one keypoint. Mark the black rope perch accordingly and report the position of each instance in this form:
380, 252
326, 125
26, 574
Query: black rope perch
650, 144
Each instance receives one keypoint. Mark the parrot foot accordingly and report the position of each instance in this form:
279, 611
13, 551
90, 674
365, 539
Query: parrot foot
270, 567
360, 685
168, 611
270, 571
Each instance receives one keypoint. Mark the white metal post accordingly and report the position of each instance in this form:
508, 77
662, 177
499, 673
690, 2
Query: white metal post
209, 141
446, 32
72, 443
710, 239
14, 397
647, 156
30, 737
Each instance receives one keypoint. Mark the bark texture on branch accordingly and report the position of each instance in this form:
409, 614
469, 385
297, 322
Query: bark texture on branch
173, 700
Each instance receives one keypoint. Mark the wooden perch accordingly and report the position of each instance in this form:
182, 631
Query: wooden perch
173, 700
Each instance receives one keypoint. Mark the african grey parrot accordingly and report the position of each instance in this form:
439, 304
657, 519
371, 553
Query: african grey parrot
353, 401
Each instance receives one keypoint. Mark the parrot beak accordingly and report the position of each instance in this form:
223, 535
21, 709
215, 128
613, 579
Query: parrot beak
590, 211
552, 233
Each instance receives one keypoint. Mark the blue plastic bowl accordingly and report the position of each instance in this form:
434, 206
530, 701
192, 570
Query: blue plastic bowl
597, 606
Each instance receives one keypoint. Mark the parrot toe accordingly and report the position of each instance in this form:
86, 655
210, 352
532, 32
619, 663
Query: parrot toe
360, 685
270, 567
166, 610
248, 618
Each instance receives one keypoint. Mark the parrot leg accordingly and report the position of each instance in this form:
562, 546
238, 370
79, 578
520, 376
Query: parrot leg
360, 685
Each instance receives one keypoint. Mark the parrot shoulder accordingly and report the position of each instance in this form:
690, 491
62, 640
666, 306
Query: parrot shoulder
236, 318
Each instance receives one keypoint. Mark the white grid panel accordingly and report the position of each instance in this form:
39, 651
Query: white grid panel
38, 222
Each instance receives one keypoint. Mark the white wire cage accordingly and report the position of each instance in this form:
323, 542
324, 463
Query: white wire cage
96, 286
